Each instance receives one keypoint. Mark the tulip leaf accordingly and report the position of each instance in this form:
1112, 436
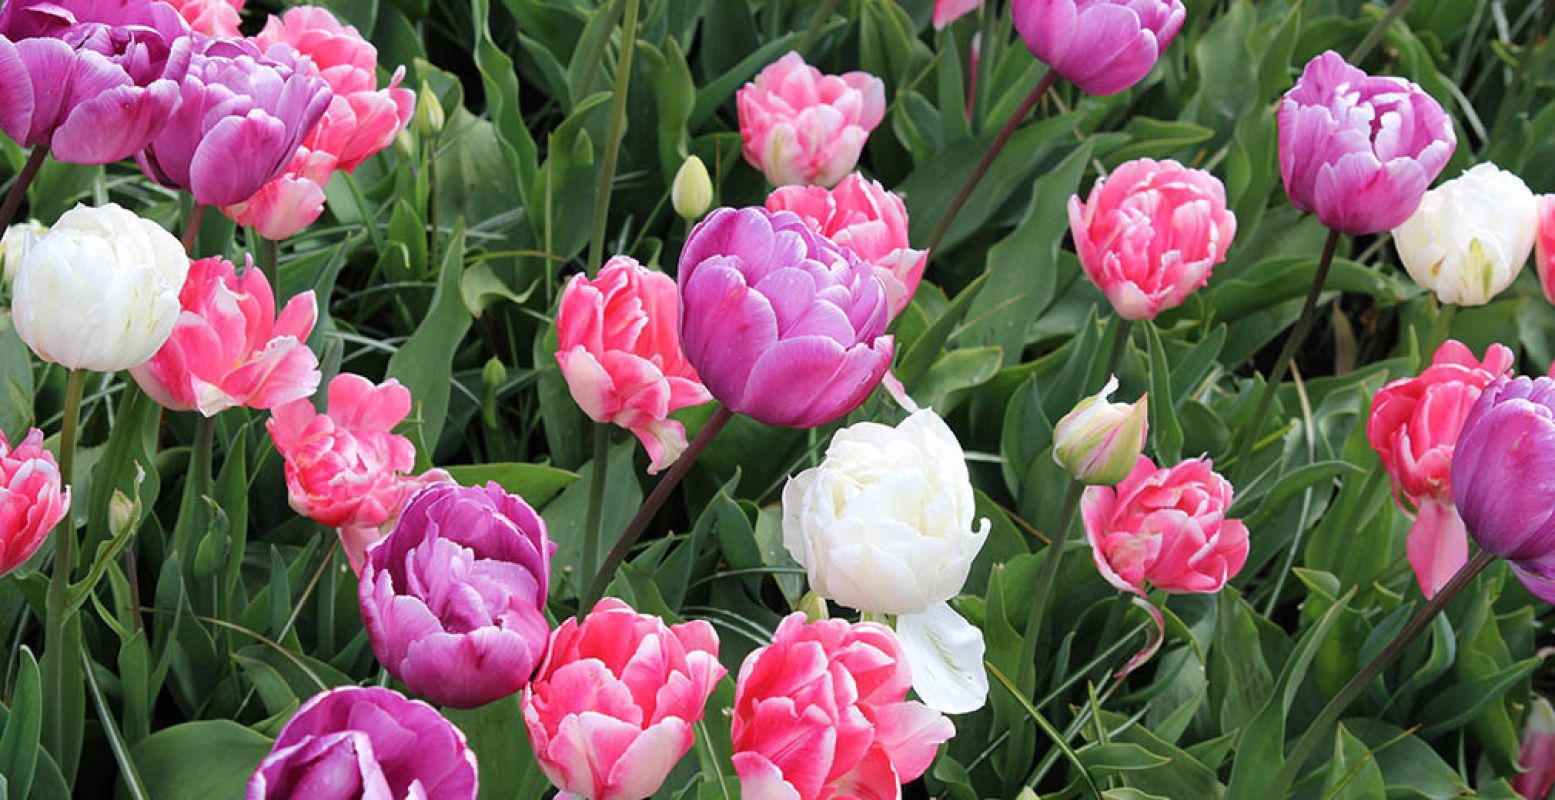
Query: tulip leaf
913, 364
19, 743
424, 364
16, 384
1165, 431
199, 760
536, 483
496, 733
1353, 773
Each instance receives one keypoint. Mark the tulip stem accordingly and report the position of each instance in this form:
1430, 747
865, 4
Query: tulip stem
651, 506
1053, 557
594, 522
57, 655
13, 199
1282, 363
192, 227
986, 163
1325, 720
613, 133
269, 259
817, 22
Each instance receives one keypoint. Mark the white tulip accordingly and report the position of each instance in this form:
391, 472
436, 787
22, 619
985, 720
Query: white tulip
99, 291
18, 239
1471, 235
945, 653
885, 523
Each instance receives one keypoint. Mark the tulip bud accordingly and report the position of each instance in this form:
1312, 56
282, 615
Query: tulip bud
429, 116
1098, 442
1027, 794
692, 191
1470, 236
813, 606
121, 512
18, 239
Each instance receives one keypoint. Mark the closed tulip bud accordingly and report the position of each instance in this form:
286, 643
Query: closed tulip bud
18, 239
100, 290
121, 512
1470, 236
429, 116
1099, 441
692, 191
813, 606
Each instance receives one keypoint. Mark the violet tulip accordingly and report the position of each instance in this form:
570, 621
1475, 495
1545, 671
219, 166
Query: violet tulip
1101, 46
781, 324
454, 597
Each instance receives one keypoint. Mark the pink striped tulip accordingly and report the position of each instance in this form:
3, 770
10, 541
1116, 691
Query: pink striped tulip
801, 127
32, 498
211, 17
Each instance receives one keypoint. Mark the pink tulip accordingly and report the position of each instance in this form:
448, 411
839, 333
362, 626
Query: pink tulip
820, 713
802, 127
1150, 234
1544, 245
229, 348
868, 219
32, 498
1360, 151
619, 350
1537, 753
1101, 46
948, 11
292, 201
211, 17
1414, 427
613, 707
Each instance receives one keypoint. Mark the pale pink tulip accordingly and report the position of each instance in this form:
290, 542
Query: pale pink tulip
229, 348
292, 201
1150, 233
1537, 753
948, 11
211, 17
32, 498
868, 219
801, 127
1544, 246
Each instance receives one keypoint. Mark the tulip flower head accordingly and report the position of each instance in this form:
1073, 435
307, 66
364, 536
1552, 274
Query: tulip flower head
692, 191
1099, 442
781, 324
354, 742
211, 17
1102, 46
868, 219
801, 127
33, 498
1360, 151
1470, 236
1537, 753
614, 707
1150, 233
619, 352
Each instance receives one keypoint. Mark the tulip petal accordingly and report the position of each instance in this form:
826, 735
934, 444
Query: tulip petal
946, 654
1438, 545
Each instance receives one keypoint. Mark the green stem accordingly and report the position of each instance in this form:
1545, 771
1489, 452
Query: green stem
58, 656
651, 506
269, 260
986, 163
192, 227
13, 199
1115, 356
1379, 30
1292, 343
813, 33
1441, 328
613, 133
1050, 563
1417, 624
595, 519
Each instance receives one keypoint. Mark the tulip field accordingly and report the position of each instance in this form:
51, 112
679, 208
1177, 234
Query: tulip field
777, 399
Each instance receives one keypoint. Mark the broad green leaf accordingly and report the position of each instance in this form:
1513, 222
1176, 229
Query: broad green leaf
536, 483
424, 364
200, 760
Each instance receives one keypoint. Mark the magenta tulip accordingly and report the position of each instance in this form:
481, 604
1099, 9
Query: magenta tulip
1101, 46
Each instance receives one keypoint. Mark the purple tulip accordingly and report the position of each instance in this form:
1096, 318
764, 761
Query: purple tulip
367, 743
1503, 477
1101, 46
453, 597
91, 80
241, 116
781, 324
1359, 151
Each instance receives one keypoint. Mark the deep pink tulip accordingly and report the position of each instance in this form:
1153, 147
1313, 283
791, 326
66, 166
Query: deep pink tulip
619, 351
868, 219
781, 324
821, 714
1150, 233
454, 597
241, 117
229, 348
1101, 46
801, 127
1360, 151
948, 11
355, 743
211, 17
1544, 246
32, 498
91, 80
613, 708
1536, 755
1413, 427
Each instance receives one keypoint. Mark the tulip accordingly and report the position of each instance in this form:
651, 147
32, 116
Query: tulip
33, 498
1537, 753
18, 239
1360, 151
948, 11
613, 708
91, 81
229, 348
801, 127
291, 202
781, 324
618, 351
1503, 477
1413, 426
1150, 233
211, 17
99, 291
353, 742
866, 218
821, 713
692, 191
1101, 46
1544, 245
1470, 236
241, 117
454, 597
1099, 441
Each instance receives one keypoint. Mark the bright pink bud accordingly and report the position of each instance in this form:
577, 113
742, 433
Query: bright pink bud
619, 350
1150, 234
1537, 754
802, 127
613, 708
821, 713
32, 498
1360, 151
1414, 427
1101, 46
868, 219
229, 348
211, 17
948, 11
1544, 246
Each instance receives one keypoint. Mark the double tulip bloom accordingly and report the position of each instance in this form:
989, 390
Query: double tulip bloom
32, 498
801, 127
211, 17
1470, 236
1101, 46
